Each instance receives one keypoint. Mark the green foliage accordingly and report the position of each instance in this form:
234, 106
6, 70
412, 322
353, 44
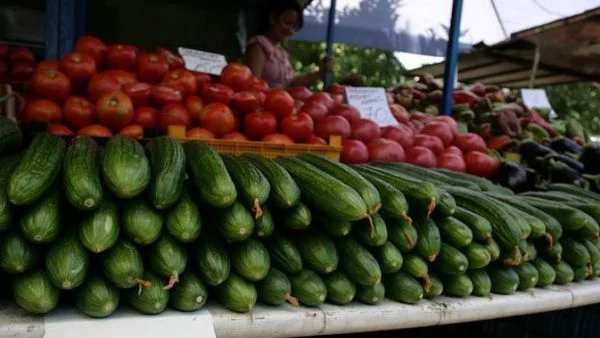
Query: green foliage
580, 101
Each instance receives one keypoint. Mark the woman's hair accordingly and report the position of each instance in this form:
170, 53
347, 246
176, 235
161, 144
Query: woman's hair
275, 8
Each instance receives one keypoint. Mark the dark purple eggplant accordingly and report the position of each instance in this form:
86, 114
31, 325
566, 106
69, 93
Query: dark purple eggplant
565, 145
530, 150
590, 157
515, 176
560, 172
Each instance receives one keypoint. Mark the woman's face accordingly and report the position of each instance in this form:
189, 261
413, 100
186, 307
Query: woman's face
284, 25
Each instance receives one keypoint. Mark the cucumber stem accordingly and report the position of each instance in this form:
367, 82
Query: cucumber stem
431, 207
550, 239
292, 300
172, 281
375, 209
427, 280
143, 283
258, 211
406, 217
372, 225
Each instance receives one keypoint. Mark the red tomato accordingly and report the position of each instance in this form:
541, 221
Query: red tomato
454, 150
470, 141
200, 134
93, 47
416, 125
336, 88
333, 125
441, 130
78, 112
346, 111
194, 105
139, 93
95, 130
217, 92
278, 138
173, 60
259, 124
236, 75
78, 67
151, 68
114, 110
452, 162
47, 65
261, 96
419, 116
121, 56
245, 102
481, 164
51, 85
297, 126
324, 99
20, 71
202, 80
316, 110
257, 85
218, 118
280, 103
60, 129
300, 93
432, 142
185, 78
449, 121
134, 130
162, 94
385, 150
42, 110
421, 156
316, 140
146, 117
354, 151
338, 99
124, 77
173, 114
365, 130
234, 136
20, 53
400, 113
102, 83
400, 133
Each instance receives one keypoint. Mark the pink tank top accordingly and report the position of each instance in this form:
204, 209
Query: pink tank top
278, 71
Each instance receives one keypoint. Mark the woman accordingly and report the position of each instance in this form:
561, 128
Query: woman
266, 57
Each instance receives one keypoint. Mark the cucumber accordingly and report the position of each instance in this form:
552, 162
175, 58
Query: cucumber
318, 251
564, 273
526, 225
403, 288
571, 219
428, 239
190, 294
528, 275
212, 257
334, 228
308, 288
285, 256
7, 165
11, 136
298, 217
184, 221
557, 196
451, 261
505, 280
358, 262
457, 285
264, 225
417, 267
141, 223
34, 293
436, 288
67, 263
574, 191
123, 265
371, 233
7, 212
168, 259
482, 283
97, 298
477, 255
99, 229
546, 274
590, 230
37, 170
447, 204
209, 175
389, 258
592, 249
150, 300
480, 226
125, 168
17, 255
581, 272
341, 290
81, 174
167, 160
552, 253
367, 191
252, 186
429, 175
483, 183
234, 223
402, 234
41, 223
531, 251
284, 190
275, 289
236, 294
370, 295
455, 232
393, 201
574, 252
250, 259
493, 248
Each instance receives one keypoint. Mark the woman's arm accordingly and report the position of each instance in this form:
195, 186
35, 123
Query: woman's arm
306, 79
255, 58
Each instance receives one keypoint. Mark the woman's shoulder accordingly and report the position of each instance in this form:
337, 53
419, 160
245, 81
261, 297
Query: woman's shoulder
262, 40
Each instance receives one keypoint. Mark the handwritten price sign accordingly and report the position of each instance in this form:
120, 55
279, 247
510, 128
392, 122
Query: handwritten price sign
203, 62
372, 104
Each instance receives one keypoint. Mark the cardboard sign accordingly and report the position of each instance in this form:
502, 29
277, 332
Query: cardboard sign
537, 98
372, 104
203, 62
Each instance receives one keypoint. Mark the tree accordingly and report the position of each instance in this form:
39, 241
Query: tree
580, 101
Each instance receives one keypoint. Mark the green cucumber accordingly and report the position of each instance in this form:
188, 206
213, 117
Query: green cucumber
81, 174
389, 258
236, 294
429, 239
447, 205
483, 183
581, 272
284, 190
67, 263
417, 267
574, 252
370, 295
358, 262
477, 255
482, 283
234, 223
34, 293
531, 251
403, 288
11, 136
7, 212
564, 273
99, 229
123, 266
575, 191
592, 249
190, 294
528, 275
125, 167
264, 225
341, 290
285, 256
552, 253
17, 255
318, 251
493, 248
308, 288
41, 223
393, 201
455, 232
213, 259
591, 229
167, 160
168, 258
436, 287
252, 186
505, 280
570, 218
275, 289
97, 298
250, 259
480, 226
402, 234
451, 261
150, 300
141, 223
371, 232
335, 228
546, 274
457, 285
184, 220
7, 165
429, 175
298, 217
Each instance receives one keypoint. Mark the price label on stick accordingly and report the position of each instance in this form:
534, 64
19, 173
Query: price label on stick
203, 62
372, 104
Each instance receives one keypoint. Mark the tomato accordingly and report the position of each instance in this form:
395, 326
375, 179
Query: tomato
481, 164
324, 99
454, 150
51, 85
432, 142
316, 140
449, 121
20, 53
470, 141
146, 117
336, 88
354, 151
416, 125
78, 67
47, 65
280, 103
261, 96
20, 71
451, 161
173, 114
185, 78
365, 130
59, 129
102, 83
333, 125
338, 99
218, 118
41, 110
151, 68
121, 56
133, 130
124, 77
297, 126
278, 138
245, 102
95, 130
400, 133
441, 130
173, 60
217, 92
114, 110
382, 149
346, 111
202, 80
234, 136
162, 94
257, 85
236, 75
400, 113
200, 134
316, 110
421, 156
93, 47
300, 93
139, 93
194, 105
78, 112
257, 125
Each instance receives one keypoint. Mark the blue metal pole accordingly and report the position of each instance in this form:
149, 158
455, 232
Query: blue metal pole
51, 24
451, 56
330, 31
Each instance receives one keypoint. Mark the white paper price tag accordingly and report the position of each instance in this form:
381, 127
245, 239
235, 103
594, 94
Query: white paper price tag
372, 104
204, 62
537, 98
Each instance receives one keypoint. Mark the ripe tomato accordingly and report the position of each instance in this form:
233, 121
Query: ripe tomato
261, 96
134, 130
217, 92
400, 133
234, 136
102, 83
59, 129
280, 103
316, 110
41, 110
162, 94
78, 67
400, 113
218, 118
333, 125
481, 164
298, 127
95, 130
441, 130
245, 102
324, 99
422, 157
124, 77
449, 121
236, 75
114, 110
173, 114
300, 93
200, 134
365, 130
121, 56
382, 149
336, 88
432, 142
51, 85
185, 78
202, 80
346, 111
194, 105
257, 125
257, 85
20, 53
20, 71
454, 150
278, 138
47, 65
151, 68
93, 47
146, 117
354, 151
78, 112
452, 162
173, 60
470, 141
316, 140
139, 93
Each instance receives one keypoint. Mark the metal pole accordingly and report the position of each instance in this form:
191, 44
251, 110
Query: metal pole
330, 30
451, 56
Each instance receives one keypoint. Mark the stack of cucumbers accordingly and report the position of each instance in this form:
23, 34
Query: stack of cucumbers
165, 224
